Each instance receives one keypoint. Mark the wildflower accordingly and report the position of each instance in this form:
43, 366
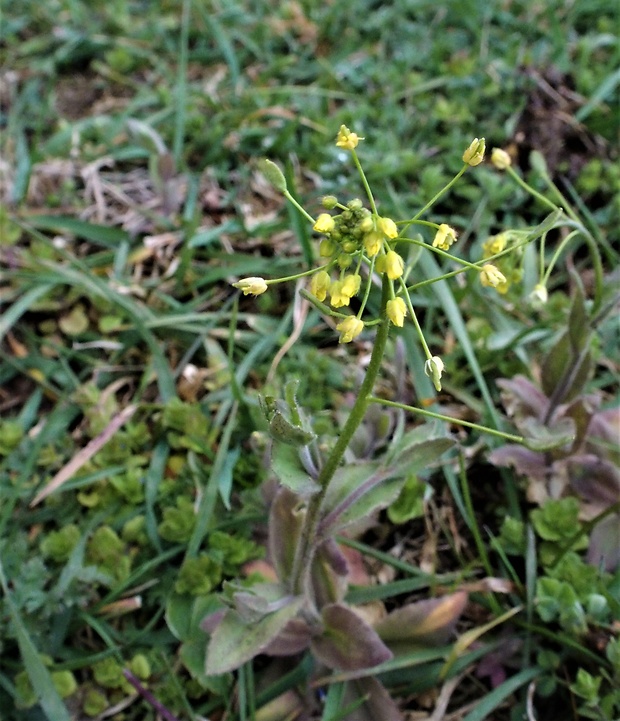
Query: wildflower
373, 242
500, 159
538, 297
324, 223
433, 368
319, 285
388, 227
350, 328
396, 310
346, 139
492, 276
444, 237
251, 286
474, 154
392, 264
494, 244
351, 284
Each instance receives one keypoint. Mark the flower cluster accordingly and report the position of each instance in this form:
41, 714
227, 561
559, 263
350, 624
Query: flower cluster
352, 236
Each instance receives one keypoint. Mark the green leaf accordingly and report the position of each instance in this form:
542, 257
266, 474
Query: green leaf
39, 676
234, 642
286, 465
539, 437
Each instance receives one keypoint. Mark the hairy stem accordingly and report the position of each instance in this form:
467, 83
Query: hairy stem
306, 547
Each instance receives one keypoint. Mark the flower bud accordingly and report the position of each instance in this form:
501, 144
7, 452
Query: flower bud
388, 227
490, 275
251, 286
329, 202
394, 265
366, 224
327, 248
349, 329
500, 159
433, 368
396, 310
324, 223
538, 297
373, 242
474, 154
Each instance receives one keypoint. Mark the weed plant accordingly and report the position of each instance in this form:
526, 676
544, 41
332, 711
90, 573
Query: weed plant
209, 507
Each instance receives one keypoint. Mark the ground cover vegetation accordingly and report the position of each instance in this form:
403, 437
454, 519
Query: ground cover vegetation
309, 361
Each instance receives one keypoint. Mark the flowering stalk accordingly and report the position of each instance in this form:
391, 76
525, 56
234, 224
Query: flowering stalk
307, 541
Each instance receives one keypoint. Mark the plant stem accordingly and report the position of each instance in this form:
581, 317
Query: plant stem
306, 546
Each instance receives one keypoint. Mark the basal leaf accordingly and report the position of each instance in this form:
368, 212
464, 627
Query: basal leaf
348, 642
234, 642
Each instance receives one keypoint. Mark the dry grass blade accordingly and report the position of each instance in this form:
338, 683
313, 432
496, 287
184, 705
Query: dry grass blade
83, 456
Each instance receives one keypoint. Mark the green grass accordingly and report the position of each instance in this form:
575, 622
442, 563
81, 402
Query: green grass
130, 198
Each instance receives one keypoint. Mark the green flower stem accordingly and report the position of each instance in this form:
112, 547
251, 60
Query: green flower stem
448, 419
435, 198
312, 271
358, 165
556, 255
528, 188
306, 545
416, 323
299, 207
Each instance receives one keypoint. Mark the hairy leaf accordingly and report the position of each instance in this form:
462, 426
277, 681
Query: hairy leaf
348, 642
235, 641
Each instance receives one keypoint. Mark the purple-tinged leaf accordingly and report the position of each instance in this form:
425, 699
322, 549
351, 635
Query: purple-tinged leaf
293, 638
328, 586
285, 520
348, 642
259, 600
541, 437
595, 479
234, 641
522, 399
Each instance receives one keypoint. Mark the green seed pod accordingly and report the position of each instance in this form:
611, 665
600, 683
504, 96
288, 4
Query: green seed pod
273, 174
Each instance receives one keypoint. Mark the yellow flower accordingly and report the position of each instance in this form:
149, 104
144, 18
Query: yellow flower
433, 368
500, 159
350, 328
396, 310
491, 276
393, 264
373, 242
494, 244
474, 154
251, 286
338, 297
388, 227
324, 223
444, 237
351, 284
319, 285
346, 139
